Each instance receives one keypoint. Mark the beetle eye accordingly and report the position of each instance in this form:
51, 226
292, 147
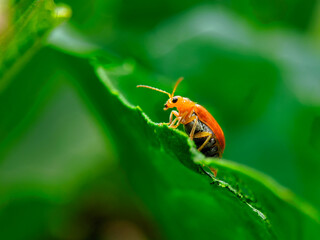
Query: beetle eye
174, 100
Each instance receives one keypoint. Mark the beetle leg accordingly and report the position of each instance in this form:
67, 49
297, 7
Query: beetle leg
201, 135
171, 116
189, 118
214, 171
173, 125
195, 118
210, 171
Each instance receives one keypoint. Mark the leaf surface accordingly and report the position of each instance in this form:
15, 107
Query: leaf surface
164, 169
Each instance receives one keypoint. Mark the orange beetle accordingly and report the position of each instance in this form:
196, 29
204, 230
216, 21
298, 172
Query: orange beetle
199, 124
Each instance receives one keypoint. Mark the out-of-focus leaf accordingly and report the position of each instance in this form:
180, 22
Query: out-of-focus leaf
27, 24
267, 14
58, 173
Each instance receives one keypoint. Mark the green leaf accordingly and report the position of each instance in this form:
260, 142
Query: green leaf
164, 169
46, 163
51, 147
27, 25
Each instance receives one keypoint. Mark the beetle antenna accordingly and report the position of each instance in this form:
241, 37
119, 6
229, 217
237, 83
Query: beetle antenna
156, 89
175, 86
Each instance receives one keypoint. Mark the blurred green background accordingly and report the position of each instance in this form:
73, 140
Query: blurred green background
255, 65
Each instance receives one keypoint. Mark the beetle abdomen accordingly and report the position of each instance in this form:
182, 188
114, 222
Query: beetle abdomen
211, 148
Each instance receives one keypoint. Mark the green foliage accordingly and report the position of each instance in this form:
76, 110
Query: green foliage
28, 23
81, 156
237, 199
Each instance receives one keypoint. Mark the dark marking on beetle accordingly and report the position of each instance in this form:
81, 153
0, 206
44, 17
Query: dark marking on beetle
210, 149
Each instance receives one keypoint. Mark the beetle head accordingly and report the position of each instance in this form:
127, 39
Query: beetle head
173, 101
